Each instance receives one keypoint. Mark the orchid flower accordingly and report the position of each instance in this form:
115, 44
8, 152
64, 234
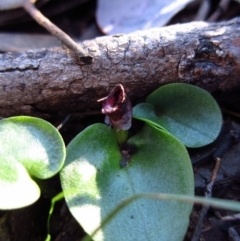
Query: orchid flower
118, 109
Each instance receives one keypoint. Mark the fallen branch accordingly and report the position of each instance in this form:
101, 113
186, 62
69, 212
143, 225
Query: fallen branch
48, 80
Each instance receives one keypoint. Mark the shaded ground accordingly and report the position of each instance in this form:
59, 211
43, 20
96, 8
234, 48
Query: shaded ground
29, 224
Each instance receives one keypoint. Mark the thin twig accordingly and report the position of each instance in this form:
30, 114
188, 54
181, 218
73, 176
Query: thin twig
232, 137
78, 115
203, 11
222, 8
55, 31
232, 217
232, 113
233, 234
64, 122
208, 194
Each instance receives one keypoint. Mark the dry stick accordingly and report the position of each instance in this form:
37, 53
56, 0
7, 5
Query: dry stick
233, 234
222, 8
203, 11
232, 113
208, 194
79, 114
58, 33
229, 140
206, 55
232, 217
64, 122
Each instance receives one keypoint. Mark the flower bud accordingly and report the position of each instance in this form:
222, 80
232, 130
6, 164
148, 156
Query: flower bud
117, 108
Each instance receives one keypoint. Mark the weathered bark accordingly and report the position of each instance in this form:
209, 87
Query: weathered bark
49, 80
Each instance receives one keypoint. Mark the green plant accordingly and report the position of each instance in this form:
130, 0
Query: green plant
30, 149
103, 167
105, 171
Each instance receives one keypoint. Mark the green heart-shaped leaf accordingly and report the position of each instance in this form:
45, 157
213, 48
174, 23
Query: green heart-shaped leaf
28, 147
186, 111
94, 184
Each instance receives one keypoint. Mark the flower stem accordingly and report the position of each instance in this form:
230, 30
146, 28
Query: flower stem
122, 136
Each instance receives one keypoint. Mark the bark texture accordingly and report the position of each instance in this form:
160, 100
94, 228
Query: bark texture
51, 80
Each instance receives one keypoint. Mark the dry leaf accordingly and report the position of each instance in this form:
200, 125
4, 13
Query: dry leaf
125, 16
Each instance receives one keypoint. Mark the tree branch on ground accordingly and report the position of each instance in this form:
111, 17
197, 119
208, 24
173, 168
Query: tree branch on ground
52, 80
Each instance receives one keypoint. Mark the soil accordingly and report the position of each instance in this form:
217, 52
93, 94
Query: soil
29, 224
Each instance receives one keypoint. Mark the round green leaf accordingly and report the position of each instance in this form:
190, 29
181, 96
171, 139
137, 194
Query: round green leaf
94, 184
33, 142
16, 186
186, 111
146, 112
28, 147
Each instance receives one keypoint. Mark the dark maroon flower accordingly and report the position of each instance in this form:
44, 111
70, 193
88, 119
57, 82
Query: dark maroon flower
118, 109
